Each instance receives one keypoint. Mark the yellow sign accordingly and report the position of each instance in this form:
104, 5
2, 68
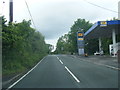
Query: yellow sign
80, 38
103, 22
80, 34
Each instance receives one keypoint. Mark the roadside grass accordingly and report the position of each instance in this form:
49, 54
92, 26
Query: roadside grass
19, 64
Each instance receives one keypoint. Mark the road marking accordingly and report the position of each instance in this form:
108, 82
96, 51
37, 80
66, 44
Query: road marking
57, 58
112, 67
72, 74
103, 65
61, 62
24, 75
107, 66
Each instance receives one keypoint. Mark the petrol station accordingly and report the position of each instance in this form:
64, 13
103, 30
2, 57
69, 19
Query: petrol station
102, 29
105, 29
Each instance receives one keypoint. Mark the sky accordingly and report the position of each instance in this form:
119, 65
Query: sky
54, 18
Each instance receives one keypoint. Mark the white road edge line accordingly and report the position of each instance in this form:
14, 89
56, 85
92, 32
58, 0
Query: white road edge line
112, 67
24, 75
72, 74
61, 62
108, 66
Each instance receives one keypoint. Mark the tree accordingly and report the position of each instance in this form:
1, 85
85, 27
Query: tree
79, 24
49, 48
69, 41
23, 46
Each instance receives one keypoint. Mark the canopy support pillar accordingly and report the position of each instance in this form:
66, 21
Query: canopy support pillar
114, 41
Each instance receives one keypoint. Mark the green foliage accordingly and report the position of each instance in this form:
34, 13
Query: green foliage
22, 46
91, 46
50, 48
105, 44
79, 24
68, 42
63, 44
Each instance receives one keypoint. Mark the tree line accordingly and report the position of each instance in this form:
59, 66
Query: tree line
22, 46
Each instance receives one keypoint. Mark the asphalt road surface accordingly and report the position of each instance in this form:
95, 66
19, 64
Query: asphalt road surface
63, 71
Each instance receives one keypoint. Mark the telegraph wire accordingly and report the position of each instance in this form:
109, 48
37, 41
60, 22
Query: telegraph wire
30, 14
101, 7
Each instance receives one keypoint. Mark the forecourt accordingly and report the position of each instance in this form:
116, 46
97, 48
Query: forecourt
104, 29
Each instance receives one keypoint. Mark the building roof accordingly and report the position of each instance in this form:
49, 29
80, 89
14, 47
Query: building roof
102, 29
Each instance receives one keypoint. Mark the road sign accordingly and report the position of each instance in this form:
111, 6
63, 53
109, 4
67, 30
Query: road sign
80, 43
80, 38
80, 34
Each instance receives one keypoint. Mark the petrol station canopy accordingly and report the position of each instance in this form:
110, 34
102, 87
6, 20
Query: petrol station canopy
102, 29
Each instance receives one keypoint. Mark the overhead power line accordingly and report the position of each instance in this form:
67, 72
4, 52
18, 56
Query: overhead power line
101, 7
30, 14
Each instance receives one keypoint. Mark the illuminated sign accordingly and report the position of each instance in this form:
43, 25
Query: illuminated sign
80, 42
103, 23
80, 34
80, 38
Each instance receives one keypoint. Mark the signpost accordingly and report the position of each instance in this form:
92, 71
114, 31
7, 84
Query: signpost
80, 43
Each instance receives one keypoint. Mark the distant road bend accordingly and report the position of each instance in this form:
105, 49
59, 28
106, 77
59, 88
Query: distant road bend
64, 71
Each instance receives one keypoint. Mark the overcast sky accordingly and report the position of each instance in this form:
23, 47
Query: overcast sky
53, 18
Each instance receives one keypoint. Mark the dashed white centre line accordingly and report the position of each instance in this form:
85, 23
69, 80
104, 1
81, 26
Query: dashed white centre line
61, 62
72, 74
69, 71
57, 58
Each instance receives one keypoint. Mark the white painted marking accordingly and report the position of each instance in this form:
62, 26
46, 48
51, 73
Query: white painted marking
112, 67
61, 62
103, 65
57, 58
72, 74
24, 75
107, 66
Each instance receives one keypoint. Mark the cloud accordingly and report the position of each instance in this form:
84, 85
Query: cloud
53, 18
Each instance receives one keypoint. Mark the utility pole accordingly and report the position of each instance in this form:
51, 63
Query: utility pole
119, 10
11, 10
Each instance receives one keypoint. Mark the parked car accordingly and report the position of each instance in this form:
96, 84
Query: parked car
96, 53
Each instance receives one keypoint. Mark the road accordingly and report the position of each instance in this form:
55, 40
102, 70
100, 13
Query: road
63, 71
